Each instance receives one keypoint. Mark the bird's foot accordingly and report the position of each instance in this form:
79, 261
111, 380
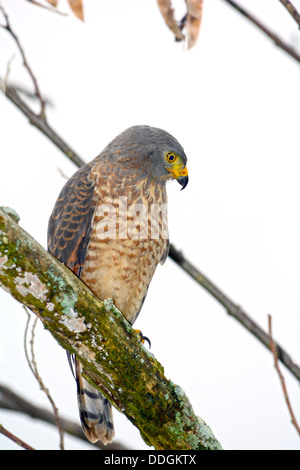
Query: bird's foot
143, 338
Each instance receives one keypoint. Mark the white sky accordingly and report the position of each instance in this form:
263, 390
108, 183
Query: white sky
233, 103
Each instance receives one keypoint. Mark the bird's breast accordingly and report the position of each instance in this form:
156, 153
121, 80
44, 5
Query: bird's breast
127, 242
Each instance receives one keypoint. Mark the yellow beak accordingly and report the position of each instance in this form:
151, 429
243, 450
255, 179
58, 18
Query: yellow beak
180, 174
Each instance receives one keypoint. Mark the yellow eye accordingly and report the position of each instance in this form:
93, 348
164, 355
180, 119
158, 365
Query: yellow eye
171, 157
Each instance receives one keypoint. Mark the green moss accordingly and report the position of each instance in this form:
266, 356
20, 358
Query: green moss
56, 280
68, 303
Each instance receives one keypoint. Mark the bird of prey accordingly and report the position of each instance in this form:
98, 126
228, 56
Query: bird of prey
109, 226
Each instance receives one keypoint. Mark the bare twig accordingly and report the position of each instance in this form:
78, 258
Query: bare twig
10, 400
29, 94
14, 438
235, 310
33, 367
281, 378
292, 10
288, 49
8, 28
8, 69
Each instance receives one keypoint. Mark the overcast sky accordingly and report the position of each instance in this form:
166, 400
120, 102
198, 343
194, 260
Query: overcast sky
233, 103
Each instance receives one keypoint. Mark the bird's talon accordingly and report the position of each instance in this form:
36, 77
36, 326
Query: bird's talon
143, 338
146, 339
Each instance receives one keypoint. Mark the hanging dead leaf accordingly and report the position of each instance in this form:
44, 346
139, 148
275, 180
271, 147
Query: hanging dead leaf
194, 15
168, 15
75, 5
77, 8
53, 2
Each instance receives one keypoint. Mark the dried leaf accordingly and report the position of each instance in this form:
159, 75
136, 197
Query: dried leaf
53, 2
77, 8
194, 15
168, 15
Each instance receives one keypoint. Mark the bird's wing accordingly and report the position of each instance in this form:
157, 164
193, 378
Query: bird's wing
71, 221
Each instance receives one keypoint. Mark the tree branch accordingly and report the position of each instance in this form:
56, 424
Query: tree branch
8, 28
281, 378
265, 30
33, 367
14, 438
292, 10
132, 379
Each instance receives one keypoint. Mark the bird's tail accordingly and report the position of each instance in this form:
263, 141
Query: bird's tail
95, 410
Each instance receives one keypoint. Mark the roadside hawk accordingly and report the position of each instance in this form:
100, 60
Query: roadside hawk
109, 226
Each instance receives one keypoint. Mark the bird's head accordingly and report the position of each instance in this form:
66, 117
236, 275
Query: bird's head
175, 164
158, 153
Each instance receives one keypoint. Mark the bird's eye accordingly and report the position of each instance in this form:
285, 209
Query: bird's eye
171, 157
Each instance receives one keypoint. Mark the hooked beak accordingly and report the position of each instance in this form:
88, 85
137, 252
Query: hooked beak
183, 181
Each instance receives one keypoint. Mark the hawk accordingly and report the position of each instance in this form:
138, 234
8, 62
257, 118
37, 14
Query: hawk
109, 226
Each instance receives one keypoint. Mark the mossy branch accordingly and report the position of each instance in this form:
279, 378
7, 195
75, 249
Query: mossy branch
98, 333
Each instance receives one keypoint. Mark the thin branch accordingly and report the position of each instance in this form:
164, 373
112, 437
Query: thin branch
33, 367
14, 438
292, 10
8, 69
28, 94
133, 380
281, 378
8, 28
10, 400
25, 341
288, 49
234, 310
